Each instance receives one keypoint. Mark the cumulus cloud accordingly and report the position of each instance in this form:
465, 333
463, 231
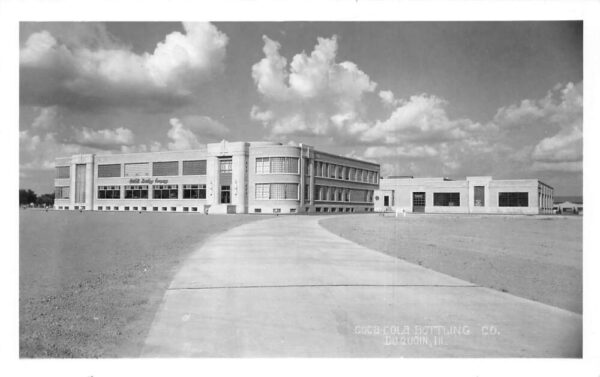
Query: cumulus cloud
559, 113
103, 139
193, 131
71, 74
388, 98
49, 136
312, 95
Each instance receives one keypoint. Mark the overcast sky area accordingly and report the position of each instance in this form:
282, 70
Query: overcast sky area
427, 99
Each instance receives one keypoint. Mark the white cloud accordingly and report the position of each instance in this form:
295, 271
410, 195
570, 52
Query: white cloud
103, 139
313, 95
193, 131
75, 75
387, 97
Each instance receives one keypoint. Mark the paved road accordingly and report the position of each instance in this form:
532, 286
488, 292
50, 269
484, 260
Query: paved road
287, 287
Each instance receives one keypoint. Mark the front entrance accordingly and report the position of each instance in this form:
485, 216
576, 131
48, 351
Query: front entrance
225, 194
418, 202
386, 201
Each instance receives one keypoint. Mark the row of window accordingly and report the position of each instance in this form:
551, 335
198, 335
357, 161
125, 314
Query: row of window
158, 192
505, 199
145, 169
277, 165
328, 170
339, 194
276, 191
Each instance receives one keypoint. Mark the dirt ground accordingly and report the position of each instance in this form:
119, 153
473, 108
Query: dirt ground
91, 282
535, 257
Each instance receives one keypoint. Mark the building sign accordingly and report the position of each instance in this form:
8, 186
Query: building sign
156, 181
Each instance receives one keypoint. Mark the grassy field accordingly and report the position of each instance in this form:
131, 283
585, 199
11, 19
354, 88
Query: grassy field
539, 258
91, 282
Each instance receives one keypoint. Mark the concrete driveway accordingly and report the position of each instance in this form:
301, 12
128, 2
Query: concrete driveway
286, 287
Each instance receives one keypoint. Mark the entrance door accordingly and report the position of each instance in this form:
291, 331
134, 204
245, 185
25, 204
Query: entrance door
386, 201
418, 202
225, 194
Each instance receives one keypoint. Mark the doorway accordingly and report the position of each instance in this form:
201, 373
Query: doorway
386, 201
418, 202
225, 194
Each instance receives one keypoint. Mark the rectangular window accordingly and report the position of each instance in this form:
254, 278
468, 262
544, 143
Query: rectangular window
136, 192
276, 191
62, 192
194, 191
479, 196
138, 169
446, 199
63, 172
109, 192
284, 165
196, 167
165, 192
513, 199
111, 170
262, 165
262, 191
165, 168
225, 166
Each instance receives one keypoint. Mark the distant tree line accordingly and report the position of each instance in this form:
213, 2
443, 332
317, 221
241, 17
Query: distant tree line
28, 197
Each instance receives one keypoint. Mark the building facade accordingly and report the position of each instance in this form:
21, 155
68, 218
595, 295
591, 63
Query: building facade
472, 195
225, 177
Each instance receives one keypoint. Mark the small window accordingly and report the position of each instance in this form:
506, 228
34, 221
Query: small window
76, 207
194, 209
164, 208
292, 210
135, 208
99, 208
67, 207
318, 209
144, 209
59, 207
173, 209
276, 210
126, 208
186, 209
155, 208
257, 210
116, 208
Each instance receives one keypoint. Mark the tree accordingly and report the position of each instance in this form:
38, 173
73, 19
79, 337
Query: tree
45, 200
26, 197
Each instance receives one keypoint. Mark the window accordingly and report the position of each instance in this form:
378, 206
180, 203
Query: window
194, 209
116, 208
173, 209
126, 208
155, 208
225, 166
136, 192
165, 192
196, 167
277, 165
331, 171
446, 199
164, 208
186, 209
99, 208
140, 169
111, 170
257, 210
144, 209
62, 192
306, 192
109, 192
194, 191
63, 172
479, 196
276, 191
166, 168
513, 199
261, 191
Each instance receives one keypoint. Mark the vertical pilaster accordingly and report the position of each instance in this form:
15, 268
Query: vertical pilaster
89, 185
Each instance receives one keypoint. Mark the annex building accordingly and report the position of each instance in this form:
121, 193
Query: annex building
225, 177
472, 195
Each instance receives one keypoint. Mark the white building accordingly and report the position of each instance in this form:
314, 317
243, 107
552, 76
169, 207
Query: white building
472, 195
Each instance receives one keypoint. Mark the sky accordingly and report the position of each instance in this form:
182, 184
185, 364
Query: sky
426, 99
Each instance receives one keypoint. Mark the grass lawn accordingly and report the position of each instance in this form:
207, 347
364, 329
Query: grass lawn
91, 282
539, 258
